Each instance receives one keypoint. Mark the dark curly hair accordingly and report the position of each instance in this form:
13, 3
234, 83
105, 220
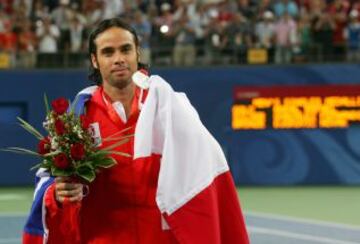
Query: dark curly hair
94, 73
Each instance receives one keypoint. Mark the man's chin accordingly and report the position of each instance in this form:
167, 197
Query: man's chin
120, 83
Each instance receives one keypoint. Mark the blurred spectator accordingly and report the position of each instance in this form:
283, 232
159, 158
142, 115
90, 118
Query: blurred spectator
50, 4
165, 21
356, 5
187, 7
246, 9
286, 6
216, 41
78, 38
112, 8
7, 6
143, 28
352, 35
160, 3
4, 20
62, 16
200, 20
143, 5
304, 38
92, 12
323, 27
8, 40
265, 34
24, 4
77, 35
163, 32
18, 18
40, 11
225, 11
316, 8
48, 35
240, 37
184, 51
263, 6
26, 46
285, 38
128, 11
338, 10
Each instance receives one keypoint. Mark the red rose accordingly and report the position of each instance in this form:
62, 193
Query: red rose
85, 122
44, 146
59, 127
77, 151
60, 105
61, 161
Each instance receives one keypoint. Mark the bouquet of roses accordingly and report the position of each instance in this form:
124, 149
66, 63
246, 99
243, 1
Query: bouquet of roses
69, 148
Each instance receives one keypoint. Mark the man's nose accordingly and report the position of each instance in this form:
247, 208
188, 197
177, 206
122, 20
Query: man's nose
119, 58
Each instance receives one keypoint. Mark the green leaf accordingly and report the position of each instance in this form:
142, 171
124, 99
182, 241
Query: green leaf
47, 164
98, 155
30, 128
118, 138
89, 164
121, 154
36, 166
46, 101
60, 172
106, 163
116, 144
72, 108
86, 172
20, 150
50, 154
119, 132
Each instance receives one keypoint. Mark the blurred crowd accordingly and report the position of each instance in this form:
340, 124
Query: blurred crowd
53, 33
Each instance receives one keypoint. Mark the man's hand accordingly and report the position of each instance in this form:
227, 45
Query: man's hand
66, 188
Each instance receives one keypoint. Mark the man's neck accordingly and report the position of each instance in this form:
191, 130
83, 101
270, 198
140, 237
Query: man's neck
124, 95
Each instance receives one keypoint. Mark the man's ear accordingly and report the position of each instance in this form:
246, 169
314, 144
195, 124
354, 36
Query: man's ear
94, 61
138, 54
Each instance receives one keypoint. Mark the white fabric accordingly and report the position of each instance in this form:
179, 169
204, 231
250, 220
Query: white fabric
44, 176
120, 110
191, 157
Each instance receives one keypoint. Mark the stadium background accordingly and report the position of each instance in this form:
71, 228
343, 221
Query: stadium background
296, 186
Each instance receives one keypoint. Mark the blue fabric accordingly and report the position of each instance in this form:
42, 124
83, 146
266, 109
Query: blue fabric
34, 224
81, 99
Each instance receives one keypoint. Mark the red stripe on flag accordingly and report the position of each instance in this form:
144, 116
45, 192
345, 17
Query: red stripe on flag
212, 216
32, 239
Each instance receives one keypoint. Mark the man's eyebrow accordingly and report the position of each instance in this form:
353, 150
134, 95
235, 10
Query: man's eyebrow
126, 45
111, 49
107, 49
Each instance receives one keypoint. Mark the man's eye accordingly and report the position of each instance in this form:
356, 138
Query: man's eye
108, 54
126, 49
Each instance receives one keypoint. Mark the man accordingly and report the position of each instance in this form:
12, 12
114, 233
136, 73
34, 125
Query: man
128, 203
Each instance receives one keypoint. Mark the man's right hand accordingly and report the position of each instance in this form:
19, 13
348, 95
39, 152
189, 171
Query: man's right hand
66, 188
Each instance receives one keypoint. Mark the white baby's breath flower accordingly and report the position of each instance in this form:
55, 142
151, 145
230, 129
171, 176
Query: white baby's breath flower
54, 143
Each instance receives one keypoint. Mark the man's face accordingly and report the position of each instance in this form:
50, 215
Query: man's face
116, 56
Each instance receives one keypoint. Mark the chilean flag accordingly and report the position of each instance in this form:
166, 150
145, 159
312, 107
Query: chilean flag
196, 193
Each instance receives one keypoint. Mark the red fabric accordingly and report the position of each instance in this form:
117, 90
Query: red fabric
65, 217
120, 206
31, 239
213, 216
340, 24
